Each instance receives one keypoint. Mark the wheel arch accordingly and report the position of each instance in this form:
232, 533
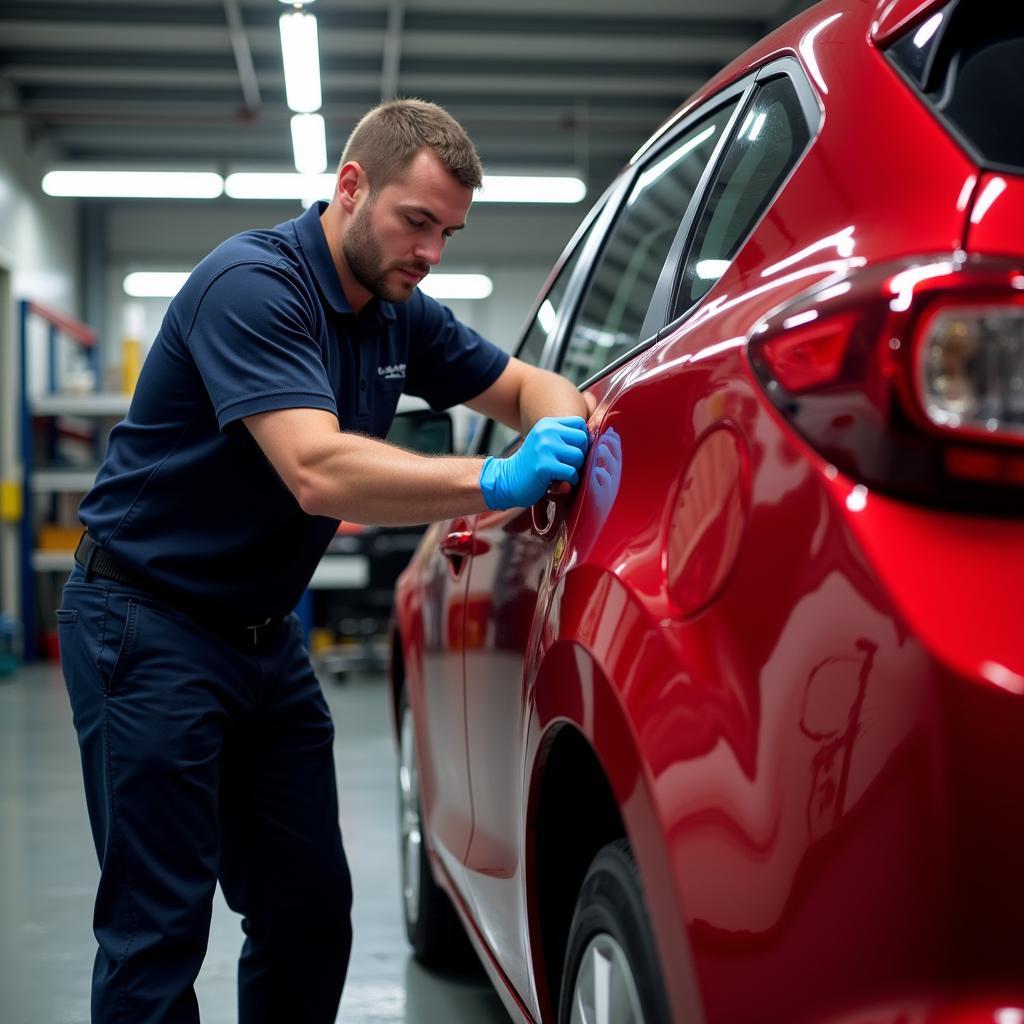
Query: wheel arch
588, 786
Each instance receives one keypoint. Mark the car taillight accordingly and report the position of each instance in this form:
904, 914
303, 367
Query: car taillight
908, 377
971, 368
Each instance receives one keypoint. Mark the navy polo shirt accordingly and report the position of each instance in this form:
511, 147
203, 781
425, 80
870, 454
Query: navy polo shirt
185, 497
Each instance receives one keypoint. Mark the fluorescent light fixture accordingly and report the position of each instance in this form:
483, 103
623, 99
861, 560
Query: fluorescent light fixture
520, 188
309, 143
283, 185
151, 284
497, 188
301, 61
457, 286
133, 184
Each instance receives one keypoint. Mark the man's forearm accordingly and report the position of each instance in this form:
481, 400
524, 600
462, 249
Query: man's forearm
363, 480
548, 394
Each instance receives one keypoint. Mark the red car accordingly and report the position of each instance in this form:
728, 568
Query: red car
735, 732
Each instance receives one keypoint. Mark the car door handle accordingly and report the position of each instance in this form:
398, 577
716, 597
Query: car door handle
458, 544
547, 515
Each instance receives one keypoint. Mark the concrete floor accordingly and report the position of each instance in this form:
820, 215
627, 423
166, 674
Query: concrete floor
48, 873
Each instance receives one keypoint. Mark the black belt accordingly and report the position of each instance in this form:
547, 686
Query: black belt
97, 562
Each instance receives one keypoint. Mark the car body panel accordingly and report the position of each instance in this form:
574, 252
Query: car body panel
805, 697
997, 215
894, 17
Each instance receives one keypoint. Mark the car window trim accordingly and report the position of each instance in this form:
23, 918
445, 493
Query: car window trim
565, 315
579, 237
662, 295
814, 115
606, 211
567, 253
650, 155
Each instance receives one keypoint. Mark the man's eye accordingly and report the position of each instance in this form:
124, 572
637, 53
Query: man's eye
447, 234
415, 223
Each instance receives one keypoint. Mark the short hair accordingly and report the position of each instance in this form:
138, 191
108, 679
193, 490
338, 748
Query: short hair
391, 134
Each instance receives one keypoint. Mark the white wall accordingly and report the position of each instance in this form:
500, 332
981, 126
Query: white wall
516, 247
38, 234
39, 256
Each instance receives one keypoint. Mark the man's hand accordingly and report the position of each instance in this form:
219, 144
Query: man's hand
553, 450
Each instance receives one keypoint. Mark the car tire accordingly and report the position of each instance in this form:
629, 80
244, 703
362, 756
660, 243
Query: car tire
611, 964
432, 925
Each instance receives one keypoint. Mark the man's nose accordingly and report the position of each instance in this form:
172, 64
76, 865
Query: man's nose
430, 251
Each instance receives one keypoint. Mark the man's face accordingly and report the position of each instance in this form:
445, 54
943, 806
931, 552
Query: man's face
398, 233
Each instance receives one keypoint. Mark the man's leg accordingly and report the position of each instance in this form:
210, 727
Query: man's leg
151, 728
283, 865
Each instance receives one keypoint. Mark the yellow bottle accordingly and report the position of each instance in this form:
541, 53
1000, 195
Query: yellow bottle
131, 364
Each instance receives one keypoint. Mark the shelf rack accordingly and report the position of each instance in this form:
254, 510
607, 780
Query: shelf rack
53, 480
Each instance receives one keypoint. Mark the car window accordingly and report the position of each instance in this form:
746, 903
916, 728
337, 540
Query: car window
771, 138
964, 61
532, 347
612, 313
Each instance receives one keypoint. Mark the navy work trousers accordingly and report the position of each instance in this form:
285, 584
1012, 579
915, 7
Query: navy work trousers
204, 760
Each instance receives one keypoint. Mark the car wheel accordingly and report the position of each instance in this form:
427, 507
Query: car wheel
611, 966
431, 923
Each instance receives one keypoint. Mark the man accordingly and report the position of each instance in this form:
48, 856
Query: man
205, 739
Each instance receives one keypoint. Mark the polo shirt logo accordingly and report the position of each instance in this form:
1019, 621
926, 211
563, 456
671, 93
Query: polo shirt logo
396, 371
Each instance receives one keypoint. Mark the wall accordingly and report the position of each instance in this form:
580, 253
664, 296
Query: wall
516, 247
39, 255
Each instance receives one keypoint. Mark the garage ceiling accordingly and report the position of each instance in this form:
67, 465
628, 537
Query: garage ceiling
540, 84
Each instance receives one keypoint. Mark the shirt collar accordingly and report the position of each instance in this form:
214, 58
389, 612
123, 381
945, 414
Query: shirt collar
314, 244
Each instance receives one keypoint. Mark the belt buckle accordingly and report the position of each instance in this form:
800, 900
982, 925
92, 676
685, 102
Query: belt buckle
255, 630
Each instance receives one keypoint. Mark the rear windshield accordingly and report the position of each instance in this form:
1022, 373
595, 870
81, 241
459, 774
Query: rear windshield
967, 62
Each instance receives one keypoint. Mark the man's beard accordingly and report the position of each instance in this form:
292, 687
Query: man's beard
365, 260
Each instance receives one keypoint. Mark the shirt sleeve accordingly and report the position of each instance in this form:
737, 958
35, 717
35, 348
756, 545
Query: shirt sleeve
449, 363
253, 341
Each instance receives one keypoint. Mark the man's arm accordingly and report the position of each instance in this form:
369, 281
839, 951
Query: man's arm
363, 480
524, 394
360, 479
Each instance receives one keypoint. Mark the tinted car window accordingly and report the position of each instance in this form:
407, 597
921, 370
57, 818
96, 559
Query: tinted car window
770, 140
966, 61
532, 347
620, 290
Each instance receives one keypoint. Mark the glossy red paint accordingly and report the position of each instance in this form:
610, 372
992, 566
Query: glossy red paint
895, 17
806, 697
997, 215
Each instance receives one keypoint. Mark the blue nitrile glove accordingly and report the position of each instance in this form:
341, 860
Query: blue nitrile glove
553, 450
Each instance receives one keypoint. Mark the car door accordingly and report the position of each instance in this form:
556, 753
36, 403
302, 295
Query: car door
618, 273
449, 617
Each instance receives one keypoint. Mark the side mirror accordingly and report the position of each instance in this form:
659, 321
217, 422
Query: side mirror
423, 431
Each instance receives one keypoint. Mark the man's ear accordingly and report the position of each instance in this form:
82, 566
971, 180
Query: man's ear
351, 182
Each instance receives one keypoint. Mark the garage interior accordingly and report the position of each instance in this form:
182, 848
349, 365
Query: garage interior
563, 88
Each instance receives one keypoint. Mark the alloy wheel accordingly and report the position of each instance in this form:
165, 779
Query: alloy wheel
604, 989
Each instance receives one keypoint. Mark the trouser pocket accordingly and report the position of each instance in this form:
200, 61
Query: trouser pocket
98, 628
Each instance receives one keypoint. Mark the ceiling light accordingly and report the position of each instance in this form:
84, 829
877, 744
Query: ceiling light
150, 284
457, 286
283, 185
301, 61
518, 188
134, 184
309, 143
